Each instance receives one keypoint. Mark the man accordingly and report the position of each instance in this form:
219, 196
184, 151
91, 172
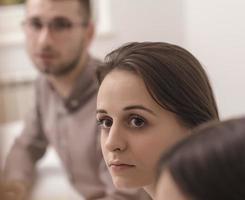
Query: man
58, 34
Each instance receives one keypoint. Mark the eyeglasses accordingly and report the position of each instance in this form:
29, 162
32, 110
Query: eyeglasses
58, 26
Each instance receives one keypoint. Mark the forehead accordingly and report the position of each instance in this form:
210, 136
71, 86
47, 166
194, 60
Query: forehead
122, 88
53, 8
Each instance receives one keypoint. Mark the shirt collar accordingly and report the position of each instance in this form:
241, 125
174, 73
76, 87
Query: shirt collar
85, 87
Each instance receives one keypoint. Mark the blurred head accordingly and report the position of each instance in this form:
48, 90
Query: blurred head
58, 34
209, 164
150, 96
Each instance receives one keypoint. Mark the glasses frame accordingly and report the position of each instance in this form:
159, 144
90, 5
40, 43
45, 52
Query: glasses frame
52, 25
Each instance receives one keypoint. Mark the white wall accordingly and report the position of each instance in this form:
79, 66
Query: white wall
213, 30
13, 57
142, 20
215, 33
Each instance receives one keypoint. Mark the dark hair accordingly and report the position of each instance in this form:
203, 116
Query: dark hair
174, 78
210, 163
86, 5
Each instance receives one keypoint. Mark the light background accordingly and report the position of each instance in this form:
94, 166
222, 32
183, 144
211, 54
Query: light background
213, 30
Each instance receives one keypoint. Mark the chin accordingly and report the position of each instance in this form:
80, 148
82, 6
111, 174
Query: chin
126, 184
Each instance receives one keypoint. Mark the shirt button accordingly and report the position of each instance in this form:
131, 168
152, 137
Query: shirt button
74, 103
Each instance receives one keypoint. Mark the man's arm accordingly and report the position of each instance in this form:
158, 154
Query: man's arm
30, 146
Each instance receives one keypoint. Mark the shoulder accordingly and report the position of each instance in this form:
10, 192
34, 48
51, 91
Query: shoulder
94, 62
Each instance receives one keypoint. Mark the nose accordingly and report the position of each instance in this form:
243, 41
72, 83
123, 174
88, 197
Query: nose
45, 37
116, 140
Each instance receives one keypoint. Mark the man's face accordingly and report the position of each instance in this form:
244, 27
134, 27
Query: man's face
57, 36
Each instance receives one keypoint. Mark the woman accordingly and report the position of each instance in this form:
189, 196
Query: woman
150, 96
208, 165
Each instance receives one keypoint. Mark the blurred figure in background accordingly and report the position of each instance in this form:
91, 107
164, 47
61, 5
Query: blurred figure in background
58, 36
207, 165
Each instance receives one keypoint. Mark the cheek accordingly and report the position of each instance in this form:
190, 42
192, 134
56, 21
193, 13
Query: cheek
166, 136
70, 50
30, 44
152, 154
148, 150
102, 144
75, 44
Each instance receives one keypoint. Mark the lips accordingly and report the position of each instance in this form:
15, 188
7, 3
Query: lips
119, 165
45, 56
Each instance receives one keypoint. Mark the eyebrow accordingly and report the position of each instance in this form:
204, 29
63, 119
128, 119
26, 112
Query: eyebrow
37, 17
101, 111
133, 107
60, 18
139, 107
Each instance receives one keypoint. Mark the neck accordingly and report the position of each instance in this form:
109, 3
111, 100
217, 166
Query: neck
150, 189
65, 84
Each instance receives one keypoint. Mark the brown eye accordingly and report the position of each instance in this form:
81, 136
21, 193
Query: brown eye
33, 24
136, 122
61, 25
105, 123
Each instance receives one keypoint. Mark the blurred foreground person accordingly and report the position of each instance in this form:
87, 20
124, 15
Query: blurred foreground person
208, 165
58, 36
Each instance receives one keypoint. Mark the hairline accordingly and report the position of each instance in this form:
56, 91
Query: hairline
83, 11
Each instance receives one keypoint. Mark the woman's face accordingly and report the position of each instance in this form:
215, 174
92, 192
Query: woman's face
167, 189
135, 130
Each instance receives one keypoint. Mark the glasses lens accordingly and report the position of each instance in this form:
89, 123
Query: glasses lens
33, 25
60, 25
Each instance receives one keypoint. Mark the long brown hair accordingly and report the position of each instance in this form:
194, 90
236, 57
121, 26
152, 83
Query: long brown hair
173, 76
